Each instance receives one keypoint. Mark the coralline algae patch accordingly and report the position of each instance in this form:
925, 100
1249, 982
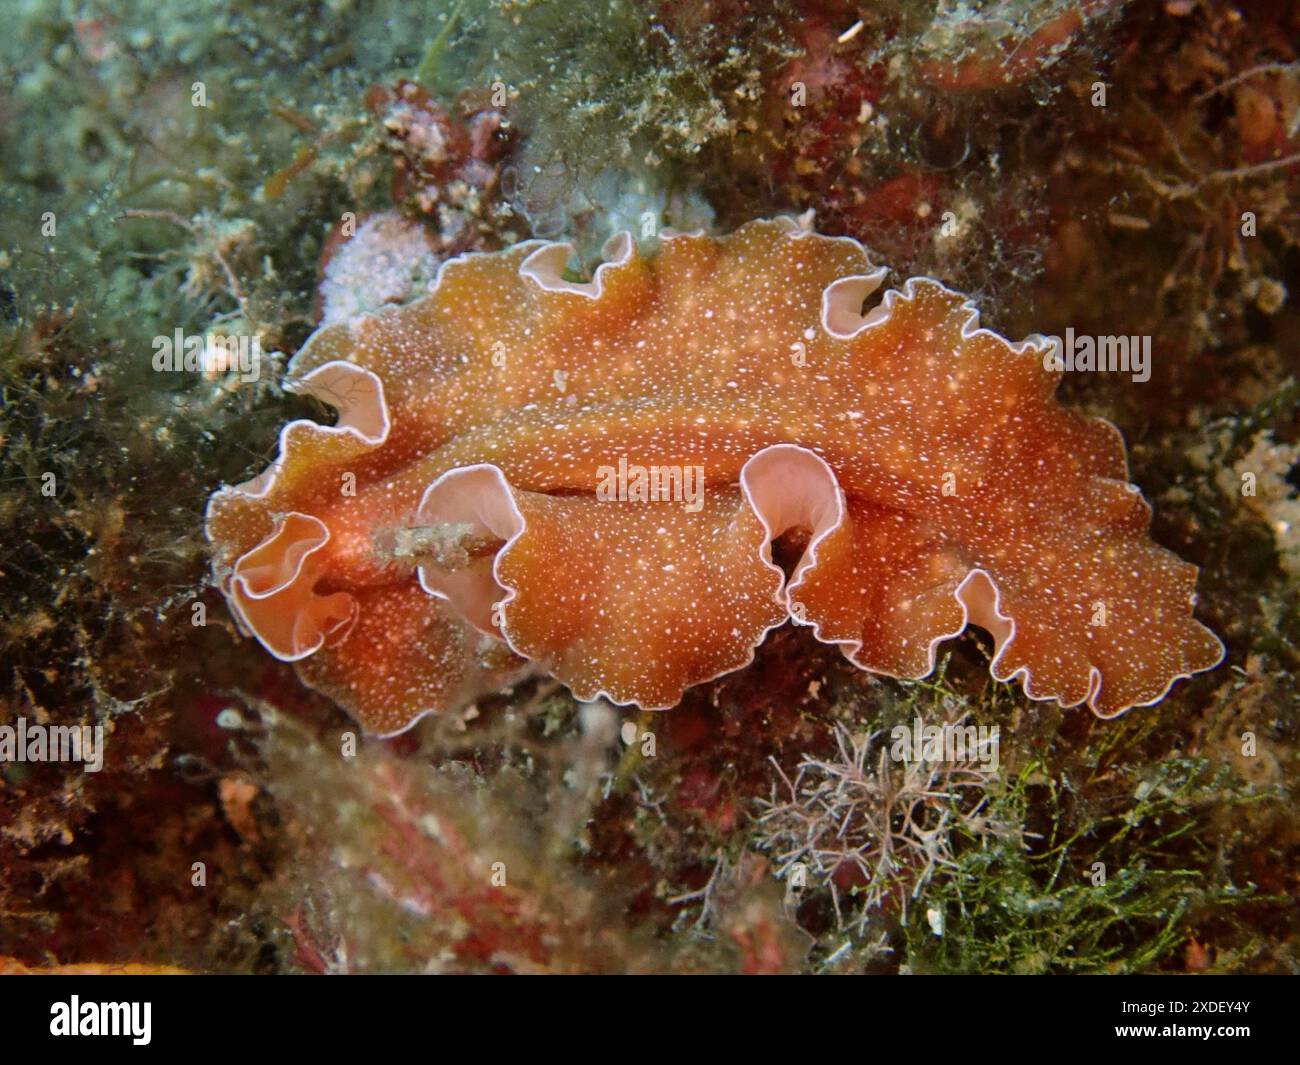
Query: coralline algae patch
387, 260
449, 532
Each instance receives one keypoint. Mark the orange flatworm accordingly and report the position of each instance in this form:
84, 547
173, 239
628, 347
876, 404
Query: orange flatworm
587, 478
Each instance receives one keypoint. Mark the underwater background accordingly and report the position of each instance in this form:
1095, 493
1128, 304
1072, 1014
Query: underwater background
1102, 166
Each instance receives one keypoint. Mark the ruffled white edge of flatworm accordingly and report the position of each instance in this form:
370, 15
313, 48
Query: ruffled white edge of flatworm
545, 266
368, 423
238, 587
